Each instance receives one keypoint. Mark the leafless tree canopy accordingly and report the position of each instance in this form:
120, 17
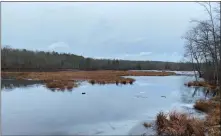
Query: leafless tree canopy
202, 44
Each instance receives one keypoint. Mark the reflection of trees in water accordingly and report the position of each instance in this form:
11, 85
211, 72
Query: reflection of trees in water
191, 94
60, 90
8, 85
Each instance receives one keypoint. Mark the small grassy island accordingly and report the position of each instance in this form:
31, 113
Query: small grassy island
67, 79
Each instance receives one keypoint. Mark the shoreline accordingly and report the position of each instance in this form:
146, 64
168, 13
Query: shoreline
67, 79
210, 125
141, 127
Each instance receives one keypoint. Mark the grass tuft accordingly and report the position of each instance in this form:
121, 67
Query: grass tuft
202, 105
92, 82
178, 124
124, 82
61, 85
100, 76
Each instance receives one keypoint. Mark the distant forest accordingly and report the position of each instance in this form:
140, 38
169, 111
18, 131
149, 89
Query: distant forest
26, 60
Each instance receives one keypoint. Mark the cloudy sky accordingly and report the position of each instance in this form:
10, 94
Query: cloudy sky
135, 31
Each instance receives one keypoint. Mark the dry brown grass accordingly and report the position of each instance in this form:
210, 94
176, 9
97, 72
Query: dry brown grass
99, 77
203, 105
212, 122
178, 124
201, 84
211, 107
206, 105
92, 82
213, 117
214, 131
61, 85
197, 83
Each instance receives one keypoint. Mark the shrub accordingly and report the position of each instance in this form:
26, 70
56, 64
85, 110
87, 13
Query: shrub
147, 124
92, 82
124, 82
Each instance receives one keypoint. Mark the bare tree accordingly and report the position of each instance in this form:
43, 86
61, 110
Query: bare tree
203, 41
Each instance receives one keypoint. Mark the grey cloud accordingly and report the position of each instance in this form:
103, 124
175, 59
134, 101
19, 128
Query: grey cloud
100, 29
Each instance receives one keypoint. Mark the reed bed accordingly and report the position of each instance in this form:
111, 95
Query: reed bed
66, 79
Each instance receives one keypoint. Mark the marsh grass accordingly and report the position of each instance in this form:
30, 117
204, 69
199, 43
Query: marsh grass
206, 105
213, 122
178, 124
203, 105
214, 131
92, 82
123, 82
201, 84
61, 85
60, 79
212, 108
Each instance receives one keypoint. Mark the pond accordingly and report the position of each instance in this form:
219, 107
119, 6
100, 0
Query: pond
29, 109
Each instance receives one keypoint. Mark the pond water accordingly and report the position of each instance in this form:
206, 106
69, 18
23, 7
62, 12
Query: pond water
103, 110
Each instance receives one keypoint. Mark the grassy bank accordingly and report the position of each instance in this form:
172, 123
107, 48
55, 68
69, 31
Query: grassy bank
212, 108
180, 124
201, 84
66, 79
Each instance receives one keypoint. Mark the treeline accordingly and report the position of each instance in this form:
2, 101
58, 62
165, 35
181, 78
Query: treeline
202, 44
26, 60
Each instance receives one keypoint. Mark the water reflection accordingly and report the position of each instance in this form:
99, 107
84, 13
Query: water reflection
60, 90
88, 110
10, 84
191, 94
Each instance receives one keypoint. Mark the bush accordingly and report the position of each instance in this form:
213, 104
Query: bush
92, 82
124, 82
147, 125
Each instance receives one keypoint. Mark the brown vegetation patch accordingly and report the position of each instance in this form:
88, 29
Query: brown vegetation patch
212, 122
201, 84
178, 124
63, 78
61, 85
203, 105
197, 83
214, 131
206, 105
213, 117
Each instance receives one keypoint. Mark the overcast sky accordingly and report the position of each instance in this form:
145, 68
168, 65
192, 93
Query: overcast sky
135, 31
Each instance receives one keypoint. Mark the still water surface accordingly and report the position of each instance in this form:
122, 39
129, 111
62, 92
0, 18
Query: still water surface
103, 110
